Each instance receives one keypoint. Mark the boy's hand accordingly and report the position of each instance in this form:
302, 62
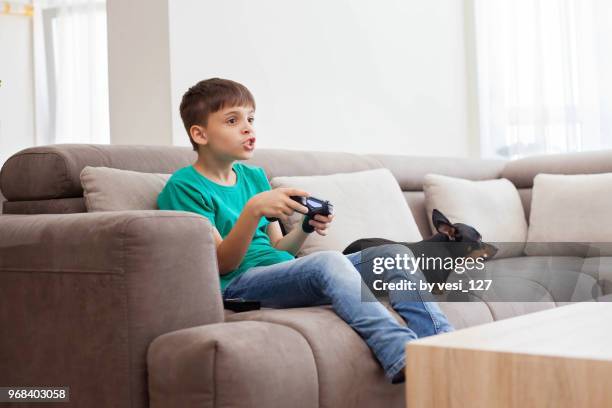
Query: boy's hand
277, 203
320, 223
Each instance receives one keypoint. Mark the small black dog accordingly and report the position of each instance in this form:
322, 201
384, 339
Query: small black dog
451, 240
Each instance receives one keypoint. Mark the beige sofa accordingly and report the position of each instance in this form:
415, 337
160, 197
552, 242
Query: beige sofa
124, 307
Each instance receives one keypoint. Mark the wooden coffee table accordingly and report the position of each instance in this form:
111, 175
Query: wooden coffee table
560, 357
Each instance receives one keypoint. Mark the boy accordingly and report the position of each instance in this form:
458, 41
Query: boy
256, 261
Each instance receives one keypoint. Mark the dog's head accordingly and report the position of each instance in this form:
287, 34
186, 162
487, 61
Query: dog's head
467, 240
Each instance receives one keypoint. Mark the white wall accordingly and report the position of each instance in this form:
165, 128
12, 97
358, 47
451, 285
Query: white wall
17, 90
352, 75
139, 72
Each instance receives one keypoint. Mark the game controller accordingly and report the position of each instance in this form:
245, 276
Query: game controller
240, 305
315, 206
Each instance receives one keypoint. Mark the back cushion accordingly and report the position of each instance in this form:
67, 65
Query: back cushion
107, 189
571, 215
493, 207
367, 204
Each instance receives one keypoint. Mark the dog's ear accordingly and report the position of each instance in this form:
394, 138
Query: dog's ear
443, 225
437, 216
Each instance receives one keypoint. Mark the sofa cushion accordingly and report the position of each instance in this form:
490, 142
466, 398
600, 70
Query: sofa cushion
493, 207
527, 284
366, 204
573, 210
539, 279
349, 375
466, 314
599, 268
107, 189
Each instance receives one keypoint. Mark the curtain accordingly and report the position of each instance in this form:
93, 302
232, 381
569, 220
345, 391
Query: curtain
71, 71
16, 70
538, 77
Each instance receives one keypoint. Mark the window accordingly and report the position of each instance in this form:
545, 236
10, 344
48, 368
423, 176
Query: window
538, 75
71, 71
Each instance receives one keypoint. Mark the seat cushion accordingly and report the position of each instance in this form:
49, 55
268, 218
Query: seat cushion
535, 279
349, 375
522, 285
466, 314
601, 269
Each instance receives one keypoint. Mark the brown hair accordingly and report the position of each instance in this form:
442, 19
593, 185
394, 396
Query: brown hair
209, 96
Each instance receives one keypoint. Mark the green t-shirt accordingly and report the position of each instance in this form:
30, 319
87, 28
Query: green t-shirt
188, 190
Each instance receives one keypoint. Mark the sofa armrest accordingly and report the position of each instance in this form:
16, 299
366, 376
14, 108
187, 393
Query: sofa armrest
83, 295
237, 364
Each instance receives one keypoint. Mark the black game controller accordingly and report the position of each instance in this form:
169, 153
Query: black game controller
315, 206
240, 305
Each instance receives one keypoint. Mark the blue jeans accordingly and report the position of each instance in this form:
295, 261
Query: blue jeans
329, 277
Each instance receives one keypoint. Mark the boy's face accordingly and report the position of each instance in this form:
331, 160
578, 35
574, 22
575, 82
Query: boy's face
229, 133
